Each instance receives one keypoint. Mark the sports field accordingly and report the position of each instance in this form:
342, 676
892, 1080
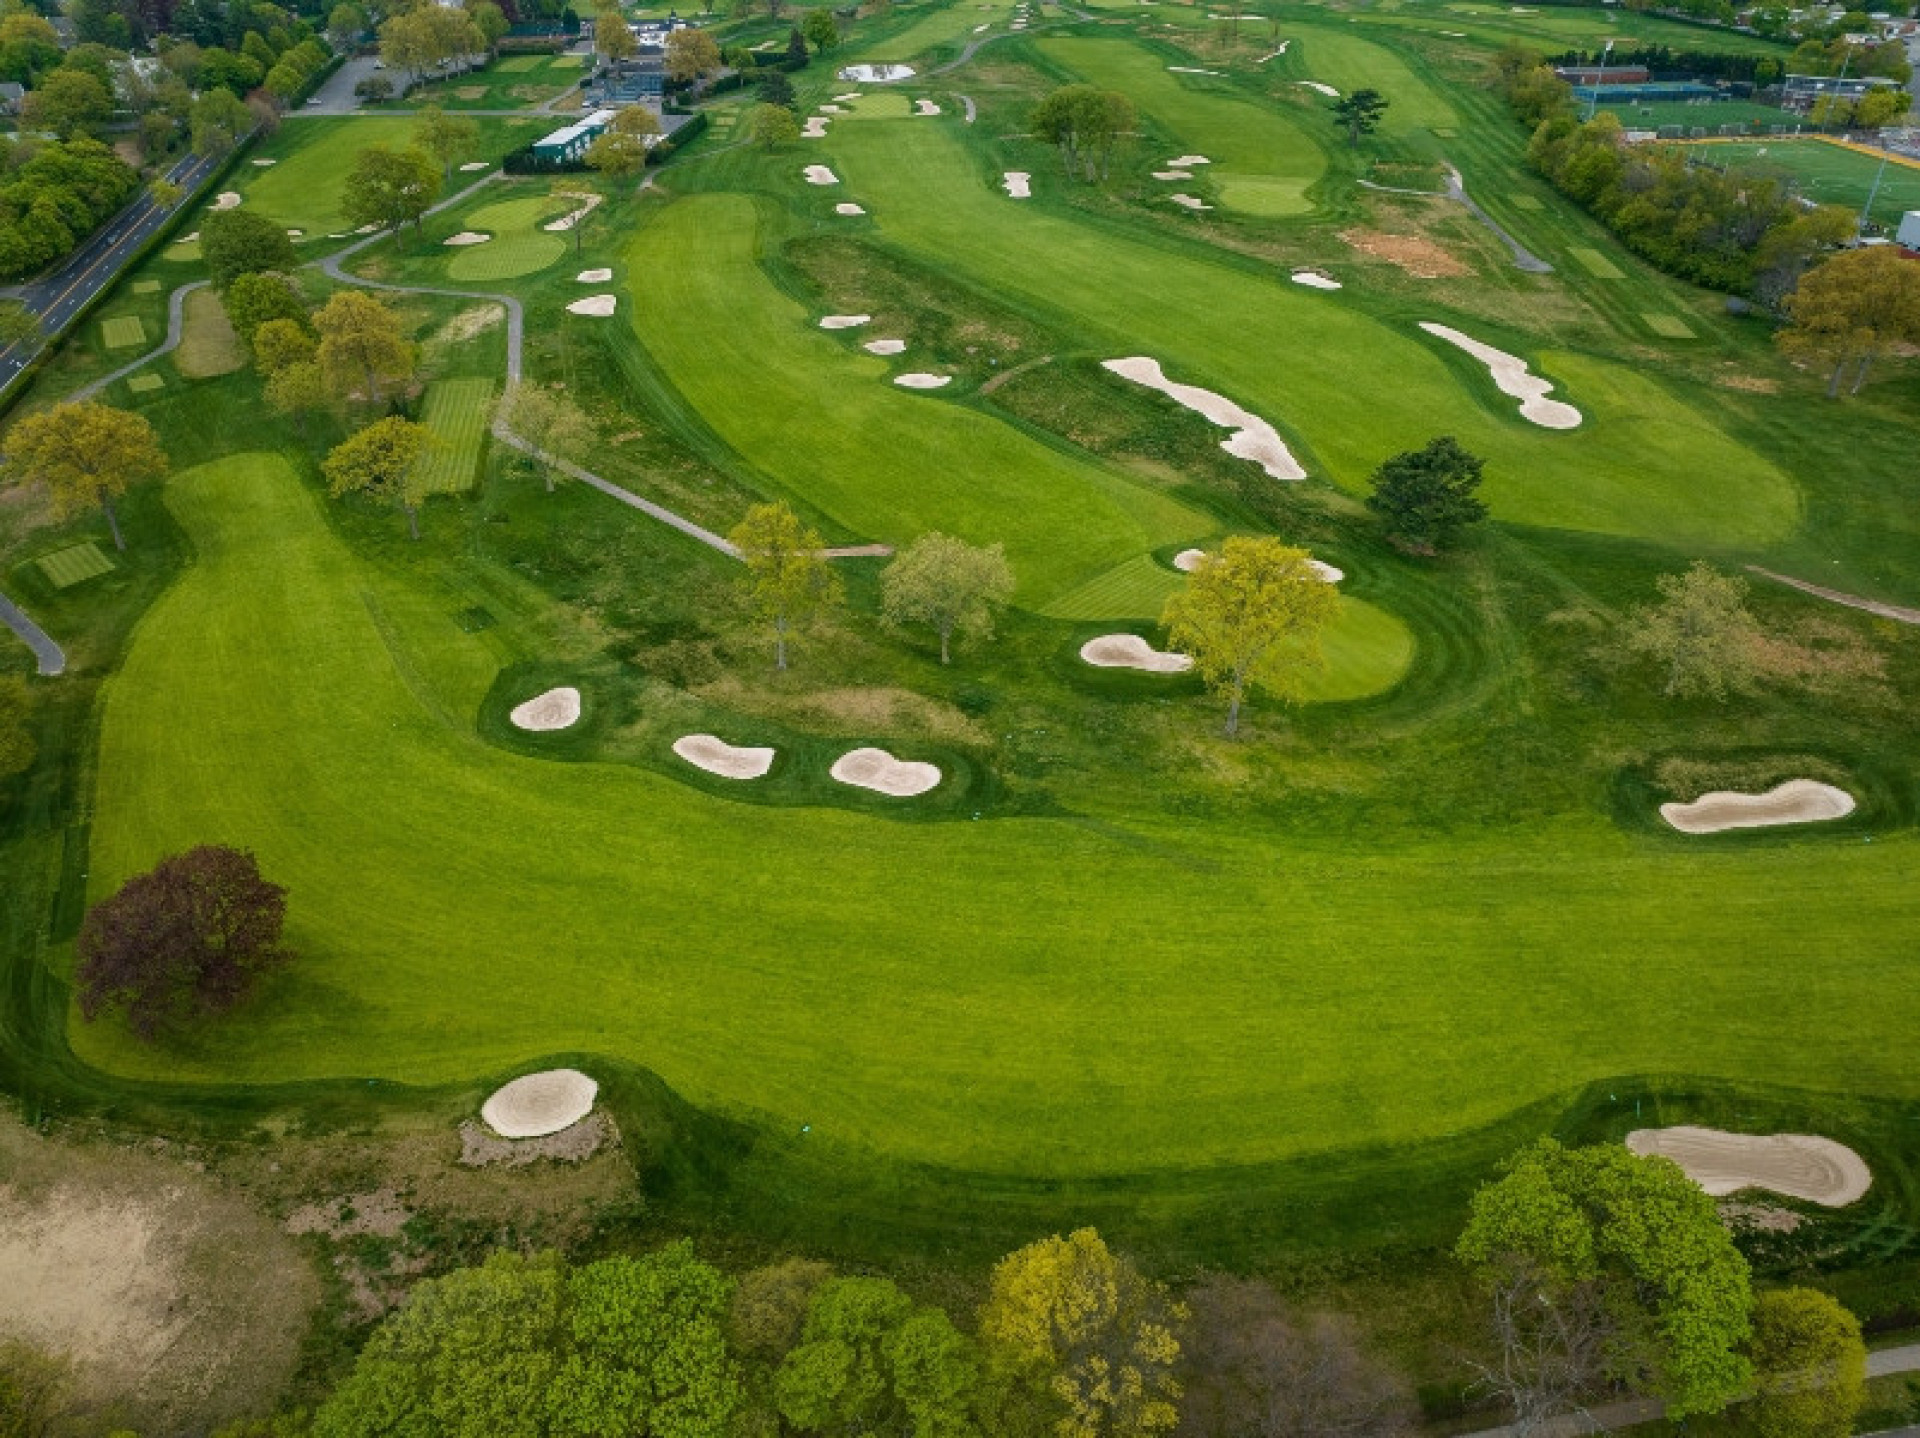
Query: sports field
1827, 173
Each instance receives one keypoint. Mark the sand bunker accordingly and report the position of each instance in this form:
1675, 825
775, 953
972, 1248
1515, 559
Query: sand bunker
226, 200
876, 74
815, 128
850, 95
1316, 85
569, 220
1019, 183
832, 110
923, 381
264, 163
1511, 376
1252, 438
1173, 174
1797, 1164
884, 347
594, 277
467, 237
1188, 560
925, 107
366, 229
1130, 651
1189, 202
1190, 70
849, 210
716, 756
879, 771
1180, 162
555, 709
1313, 280
821, 175
843, 322
1798, 801
473, 165
597, 306
296, 234
540, 1104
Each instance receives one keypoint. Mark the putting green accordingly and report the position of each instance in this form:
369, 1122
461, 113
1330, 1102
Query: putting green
1346, 389
1263, 161
518, 247
1175, 992
820, 419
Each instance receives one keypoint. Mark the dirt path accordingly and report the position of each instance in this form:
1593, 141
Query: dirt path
1894, 612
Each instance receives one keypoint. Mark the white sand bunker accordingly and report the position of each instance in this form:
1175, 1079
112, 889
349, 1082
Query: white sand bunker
832, 110
843, 322
1188, 560
467, 237
1798, 801
925, 107
1189, 202
850, 95
879, 771
1130, 651
1314, 280
1190, 70
539, 1104
598, 306
473, 165
884, 347
923, 381
815, 128
821, 175
1510, 375
1799, 1165
1019, 183
729, 761
556, 709
1181, 162
1316, 85
876, 74
1252, 438
1173, 174
849, 209
226, 200
573, 217
296, 234
594, 277
264, 163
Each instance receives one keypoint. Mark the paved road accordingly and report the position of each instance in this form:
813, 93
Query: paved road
58, 299
46, 653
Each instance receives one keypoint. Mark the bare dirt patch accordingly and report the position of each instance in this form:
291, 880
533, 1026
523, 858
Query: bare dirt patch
1416, 254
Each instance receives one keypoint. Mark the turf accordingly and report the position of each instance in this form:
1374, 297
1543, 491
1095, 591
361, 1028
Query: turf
1669, 326
456, 412
1596, 264
1264, 162
1352, 389
1176, 992
145, 287
820, 419
70, 566
208, 345
146, 383
123, 332
518, 247
1827, 173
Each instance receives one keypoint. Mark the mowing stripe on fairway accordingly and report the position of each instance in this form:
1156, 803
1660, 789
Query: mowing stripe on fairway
123, 332
67, 567
456, 412
1596, 264
1668, 325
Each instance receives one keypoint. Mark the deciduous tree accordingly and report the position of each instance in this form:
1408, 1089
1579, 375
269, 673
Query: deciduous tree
445, 137
870, 1360
360, 339
770, 1307
381, 460
821, 30
390, 188
948, 585
620, 151
787, 577
1700, 633
299, 389
254, 299
1359, 113
18, 324
1600, 1262
691, 55
217, 121
85, 453
549, 420
1252, 614
613, 36
1810, 1366
773, 126
1427, 496
774, 88
187, 939
239, 242
68, 102
282, 342
1851, 309
1086, 123
1080, 1323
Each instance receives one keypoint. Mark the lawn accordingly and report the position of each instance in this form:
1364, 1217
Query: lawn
1825, 172
1350, 387
1264, 162
1178, 992
456, 411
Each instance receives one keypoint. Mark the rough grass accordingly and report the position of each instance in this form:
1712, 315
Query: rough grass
1178, 991
518, 247
208, 345
456, 412
1264, 162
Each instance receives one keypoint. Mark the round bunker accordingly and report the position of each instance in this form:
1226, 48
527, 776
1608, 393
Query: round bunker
1130, 651
1798, 801
1799, 1165
555, 709
879, 771
716, 756
539, 1104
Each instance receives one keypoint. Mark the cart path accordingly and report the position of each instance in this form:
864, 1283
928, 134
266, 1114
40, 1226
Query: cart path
1835, 596
1523, 258
176, 327
49, 657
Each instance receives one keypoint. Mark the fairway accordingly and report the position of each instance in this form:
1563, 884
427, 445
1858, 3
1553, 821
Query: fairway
1264, 162
1826, 173
123, 332
518, 247
1352, 389
456, 413
1348, 63
1181, 994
